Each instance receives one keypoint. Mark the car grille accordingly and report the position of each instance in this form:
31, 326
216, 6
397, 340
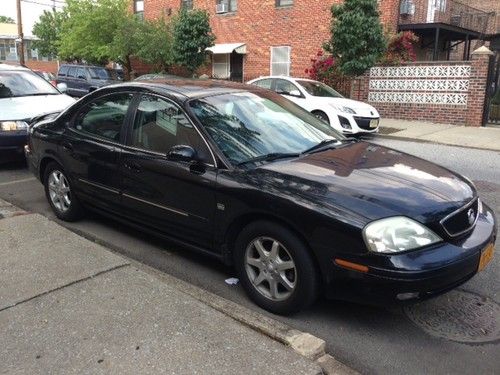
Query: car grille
462, 220
364, 122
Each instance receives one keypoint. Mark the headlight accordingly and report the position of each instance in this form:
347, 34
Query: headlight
342, 108
397, 234
7, 126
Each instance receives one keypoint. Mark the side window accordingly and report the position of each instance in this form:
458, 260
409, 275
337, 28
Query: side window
72, 72
285, 87
81, 73
104, 117
62, 71
160, 124
264, 83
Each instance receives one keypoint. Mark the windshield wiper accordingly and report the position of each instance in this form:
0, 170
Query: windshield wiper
270, 157
329, 143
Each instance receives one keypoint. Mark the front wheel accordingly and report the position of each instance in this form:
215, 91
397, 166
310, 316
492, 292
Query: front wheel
275, 268
321, 116
59, 194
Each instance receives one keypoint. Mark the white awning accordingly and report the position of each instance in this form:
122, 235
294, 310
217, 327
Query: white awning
224, 48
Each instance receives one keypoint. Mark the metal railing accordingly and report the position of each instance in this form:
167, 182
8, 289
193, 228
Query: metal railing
450, 12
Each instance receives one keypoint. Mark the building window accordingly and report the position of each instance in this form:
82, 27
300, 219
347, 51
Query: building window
280, 61
220, 66
187, 4
224, 6
139, 8
284, 3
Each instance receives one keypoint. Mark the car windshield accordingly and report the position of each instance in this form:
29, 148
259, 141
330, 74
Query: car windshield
24, 83
247, 126
319, 89
101, 73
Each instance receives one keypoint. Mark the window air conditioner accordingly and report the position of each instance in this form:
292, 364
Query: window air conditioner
221, 8
407, 8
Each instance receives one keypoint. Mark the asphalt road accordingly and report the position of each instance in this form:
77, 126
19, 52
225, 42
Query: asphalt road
371, 340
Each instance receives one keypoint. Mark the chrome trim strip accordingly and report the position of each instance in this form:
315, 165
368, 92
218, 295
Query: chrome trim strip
111, 190
127, 147
157, 205
455, 213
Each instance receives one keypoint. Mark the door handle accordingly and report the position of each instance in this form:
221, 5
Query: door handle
132, 166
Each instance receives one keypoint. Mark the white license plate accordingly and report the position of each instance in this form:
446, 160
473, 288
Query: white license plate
373, 123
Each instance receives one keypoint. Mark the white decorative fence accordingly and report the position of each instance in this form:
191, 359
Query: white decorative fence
434, 84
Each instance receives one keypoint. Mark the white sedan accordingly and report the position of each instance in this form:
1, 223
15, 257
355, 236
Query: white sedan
345, 115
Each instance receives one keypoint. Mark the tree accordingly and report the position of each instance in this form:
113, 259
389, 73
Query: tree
155, 44
5, 19
48, 32
97, 30
192, 34
357, 40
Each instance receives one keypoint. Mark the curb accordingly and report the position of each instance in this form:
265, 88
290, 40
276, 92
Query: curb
396, 137
303, 343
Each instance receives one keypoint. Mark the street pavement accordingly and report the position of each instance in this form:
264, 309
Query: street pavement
372, 340
68, 305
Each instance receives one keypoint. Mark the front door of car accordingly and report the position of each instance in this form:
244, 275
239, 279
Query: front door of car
289, 90
91, 149
174, 196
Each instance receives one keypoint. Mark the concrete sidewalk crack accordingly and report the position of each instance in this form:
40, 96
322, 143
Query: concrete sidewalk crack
65, 286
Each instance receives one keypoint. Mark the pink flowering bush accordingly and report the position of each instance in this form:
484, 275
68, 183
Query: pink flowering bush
324, 69
400, 49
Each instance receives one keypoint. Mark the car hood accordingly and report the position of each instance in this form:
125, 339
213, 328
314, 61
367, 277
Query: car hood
27, 107
369, 181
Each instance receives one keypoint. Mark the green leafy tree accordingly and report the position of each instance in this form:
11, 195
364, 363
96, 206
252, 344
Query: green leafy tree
357, 40
127, 40
155, 44
192, 34
48, 31
97, 30
5, 19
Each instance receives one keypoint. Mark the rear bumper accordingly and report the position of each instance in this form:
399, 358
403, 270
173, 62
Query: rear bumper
414, 277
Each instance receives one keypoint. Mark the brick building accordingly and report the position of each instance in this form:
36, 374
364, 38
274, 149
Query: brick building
263, 37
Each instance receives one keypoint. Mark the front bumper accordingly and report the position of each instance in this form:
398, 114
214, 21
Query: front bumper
414, 275
12, 145
358, 124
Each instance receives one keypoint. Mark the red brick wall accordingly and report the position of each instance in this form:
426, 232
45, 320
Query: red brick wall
470, 114
260, 24
46, 66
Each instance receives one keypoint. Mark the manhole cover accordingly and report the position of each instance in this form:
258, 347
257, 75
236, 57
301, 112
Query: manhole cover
458, 316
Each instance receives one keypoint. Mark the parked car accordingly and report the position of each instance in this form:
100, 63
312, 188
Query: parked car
82, 79
345, 115
23, 96
244, 175
48, 76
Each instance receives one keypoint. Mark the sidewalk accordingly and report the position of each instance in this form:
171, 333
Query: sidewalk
68, 305
487, 138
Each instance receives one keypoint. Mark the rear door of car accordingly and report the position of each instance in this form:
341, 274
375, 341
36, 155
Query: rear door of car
175, 197
81, 84
92, 145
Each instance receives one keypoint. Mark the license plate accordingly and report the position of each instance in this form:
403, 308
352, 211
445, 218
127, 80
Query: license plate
373, 123
486, 257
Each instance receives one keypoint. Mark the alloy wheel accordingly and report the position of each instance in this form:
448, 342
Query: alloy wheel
59, 191
270, 268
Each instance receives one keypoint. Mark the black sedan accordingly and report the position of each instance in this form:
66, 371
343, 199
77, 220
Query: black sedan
242, 174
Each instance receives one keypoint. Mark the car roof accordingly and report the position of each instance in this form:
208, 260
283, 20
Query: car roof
13, 67
189, 88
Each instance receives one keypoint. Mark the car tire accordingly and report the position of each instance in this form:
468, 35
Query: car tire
59, 193
283, 281
321, 116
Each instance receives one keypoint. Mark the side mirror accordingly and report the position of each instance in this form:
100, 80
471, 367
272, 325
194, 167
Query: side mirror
182, 153
62, 87
295, 93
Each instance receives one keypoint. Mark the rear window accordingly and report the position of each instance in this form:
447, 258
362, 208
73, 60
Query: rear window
63, 70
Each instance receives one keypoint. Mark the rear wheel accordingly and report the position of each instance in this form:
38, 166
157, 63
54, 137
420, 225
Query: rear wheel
60, 195
275, 268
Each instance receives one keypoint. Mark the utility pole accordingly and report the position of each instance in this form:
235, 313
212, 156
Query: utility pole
20, 33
